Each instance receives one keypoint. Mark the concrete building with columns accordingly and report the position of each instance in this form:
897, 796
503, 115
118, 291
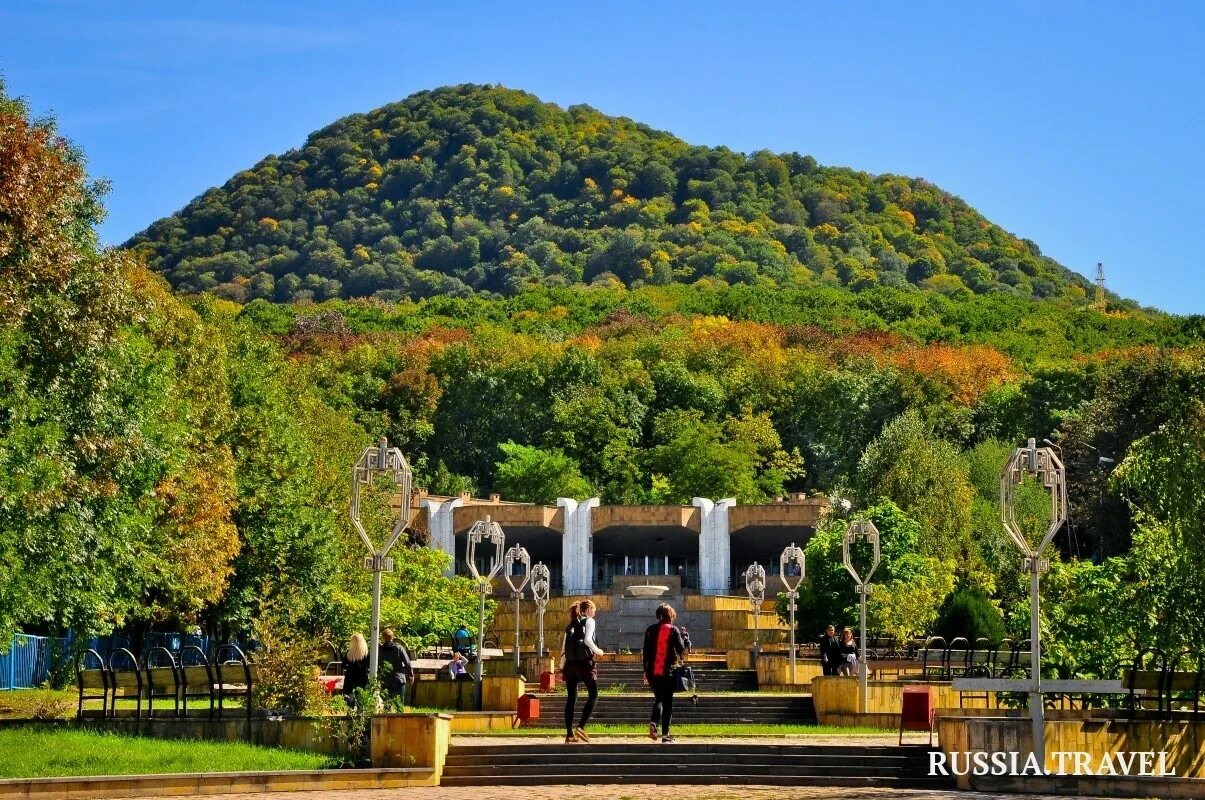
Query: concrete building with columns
592, 548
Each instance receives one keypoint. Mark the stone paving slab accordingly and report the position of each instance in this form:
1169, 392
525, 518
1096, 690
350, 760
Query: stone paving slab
632, 792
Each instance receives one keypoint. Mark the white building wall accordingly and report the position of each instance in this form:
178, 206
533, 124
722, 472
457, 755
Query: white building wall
577, 547
440, 523
715, 544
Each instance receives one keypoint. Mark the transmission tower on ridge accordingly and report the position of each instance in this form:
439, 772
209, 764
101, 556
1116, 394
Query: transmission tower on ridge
1098, 299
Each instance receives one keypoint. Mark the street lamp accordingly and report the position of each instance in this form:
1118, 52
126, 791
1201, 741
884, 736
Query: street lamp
861, 529
390, 461
755, 585
517, 554
489, 533
1042, 463
791, 565
540, 578
1073, 539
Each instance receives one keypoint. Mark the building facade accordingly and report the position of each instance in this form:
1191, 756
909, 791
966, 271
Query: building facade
591, 548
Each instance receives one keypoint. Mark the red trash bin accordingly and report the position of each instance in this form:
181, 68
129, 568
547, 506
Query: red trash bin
547, 682
528, 708
917, 711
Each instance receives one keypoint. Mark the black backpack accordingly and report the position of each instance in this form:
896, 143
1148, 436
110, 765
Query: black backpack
575, 647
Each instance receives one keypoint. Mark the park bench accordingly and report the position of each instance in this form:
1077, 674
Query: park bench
194, 678
166, 677
1155, 683
91, 680
162, 681
236, 676
125, 680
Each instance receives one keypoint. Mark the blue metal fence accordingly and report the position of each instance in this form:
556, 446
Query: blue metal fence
29, 660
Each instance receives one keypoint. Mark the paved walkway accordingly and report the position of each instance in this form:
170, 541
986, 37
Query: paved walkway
627, 792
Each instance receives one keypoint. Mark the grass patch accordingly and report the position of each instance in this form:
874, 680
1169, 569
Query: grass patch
704, 729
49, 753
62, 704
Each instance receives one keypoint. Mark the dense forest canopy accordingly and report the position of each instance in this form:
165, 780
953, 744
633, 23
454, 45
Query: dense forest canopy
485, 189
179, 458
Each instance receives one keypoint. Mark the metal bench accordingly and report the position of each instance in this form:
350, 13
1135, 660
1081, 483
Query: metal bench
236, 676
160, 670
125, 680
92, 679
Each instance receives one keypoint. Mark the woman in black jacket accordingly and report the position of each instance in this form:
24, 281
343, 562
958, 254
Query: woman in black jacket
847, 653
664, 647
355, 668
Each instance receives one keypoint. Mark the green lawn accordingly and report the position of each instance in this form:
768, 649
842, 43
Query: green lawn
44, 753
701, 729
62, 704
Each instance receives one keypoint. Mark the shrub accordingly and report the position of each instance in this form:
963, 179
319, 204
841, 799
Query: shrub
968, 612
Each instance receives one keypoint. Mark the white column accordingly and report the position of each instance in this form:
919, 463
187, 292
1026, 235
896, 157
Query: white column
442, 527
715, 544
576, 546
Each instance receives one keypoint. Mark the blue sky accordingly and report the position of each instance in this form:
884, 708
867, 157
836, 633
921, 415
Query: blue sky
1075, 124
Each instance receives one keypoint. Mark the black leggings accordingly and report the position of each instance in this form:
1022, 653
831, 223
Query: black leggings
663, 704
591, 699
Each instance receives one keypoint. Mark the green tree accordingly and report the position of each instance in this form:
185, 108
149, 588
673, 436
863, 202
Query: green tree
532, 475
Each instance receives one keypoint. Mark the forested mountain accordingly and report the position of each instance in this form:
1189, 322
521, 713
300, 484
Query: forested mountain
478, 188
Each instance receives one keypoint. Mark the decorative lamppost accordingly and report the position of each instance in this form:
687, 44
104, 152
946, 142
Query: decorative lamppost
389, 460
489, 533
517, 555
862, 529
791, 566
1042, 463
540, 578
755, 585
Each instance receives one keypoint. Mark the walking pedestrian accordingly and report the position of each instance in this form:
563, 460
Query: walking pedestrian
664, 648
395, 669
577, 659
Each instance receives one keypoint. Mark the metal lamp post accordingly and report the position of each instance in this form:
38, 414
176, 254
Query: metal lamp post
1042, 463
861, 529
489, 533
389, 460
755, 585
540, 578
792, 555
517, 554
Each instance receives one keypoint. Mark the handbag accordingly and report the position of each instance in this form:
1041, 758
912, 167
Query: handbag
684, 678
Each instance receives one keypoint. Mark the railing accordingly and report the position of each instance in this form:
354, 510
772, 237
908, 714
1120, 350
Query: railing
29, 661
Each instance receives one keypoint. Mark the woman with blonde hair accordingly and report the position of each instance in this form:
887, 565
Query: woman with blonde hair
355, 668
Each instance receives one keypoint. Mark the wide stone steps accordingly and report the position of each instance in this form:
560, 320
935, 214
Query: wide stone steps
628, 709
631, 676
690, 763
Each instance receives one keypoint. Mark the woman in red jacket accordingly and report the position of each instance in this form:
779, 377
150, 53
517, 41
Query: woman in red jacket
664, 647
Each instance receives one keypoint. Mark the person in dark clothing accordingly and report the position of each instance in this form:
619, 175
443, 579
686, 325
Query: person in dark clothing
830, 651
577, 657
847, 653
393, 665
664, 647
355, 668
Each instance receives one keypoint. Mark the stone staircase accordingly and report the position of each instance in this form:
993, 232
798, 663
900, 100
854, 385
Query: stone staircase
634, 708
630, 676
686, 763
623, 626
